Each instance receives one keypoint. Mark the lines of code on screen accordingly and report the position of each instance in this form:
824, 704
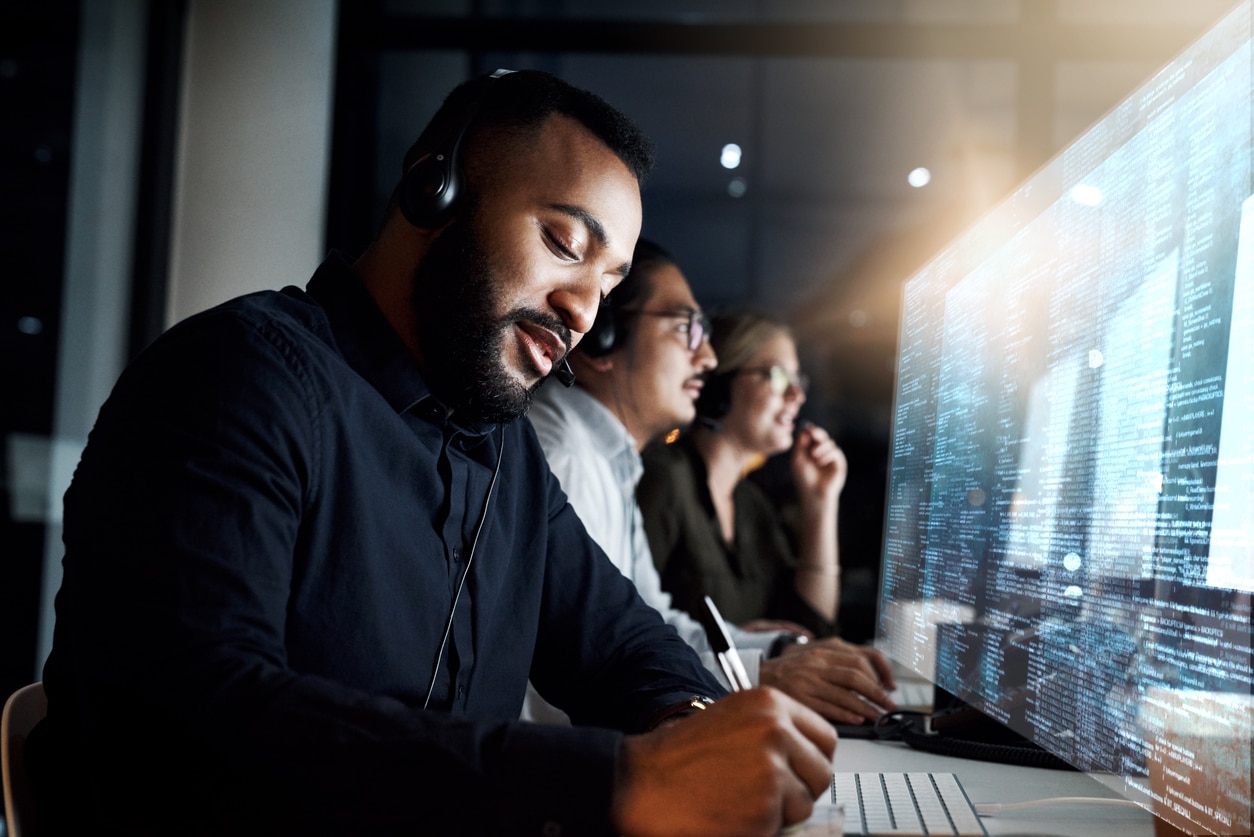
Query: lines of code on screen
1070, 524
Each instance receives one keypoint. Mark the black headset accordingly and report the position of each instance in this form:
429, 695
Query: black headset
714, 402
607, 333
432, 188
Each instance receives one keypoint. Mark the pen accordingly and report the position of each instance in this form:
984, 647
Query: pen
724, 649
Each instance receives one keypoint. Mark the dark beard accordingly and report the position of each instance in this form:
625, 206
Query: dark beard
455, 299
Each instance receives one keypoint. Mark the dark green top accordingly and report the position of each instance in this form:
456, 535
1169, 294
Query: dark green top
751, 578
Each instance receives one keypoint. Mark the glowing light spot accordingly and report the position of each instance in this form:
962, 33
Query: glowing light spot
1096, 359
1086, 195
730, 158
918, 178
30, 325
1073, 592
1072, 562
736, 188
976, 497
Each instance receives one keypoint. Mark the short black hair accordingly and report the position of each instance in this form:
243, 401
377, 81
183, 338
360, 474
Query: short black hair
645, 261
525, 99
614, 319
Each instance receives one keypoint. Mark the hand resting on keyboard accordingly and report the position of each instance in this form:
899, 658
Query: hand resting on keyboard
835, 678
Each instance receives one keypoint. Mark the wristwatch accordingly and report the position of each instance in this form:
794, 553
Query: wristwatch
783, 641
693, 703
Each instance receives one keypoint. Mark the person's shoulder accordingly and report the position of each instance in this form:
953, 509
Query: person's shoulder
290, 310
550, 408
669, 458
559, 417
257, 340
668, 476
281, 323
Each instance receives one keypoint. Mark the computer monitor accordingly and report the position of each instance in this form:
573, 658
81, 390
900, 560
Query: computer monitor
1069, 535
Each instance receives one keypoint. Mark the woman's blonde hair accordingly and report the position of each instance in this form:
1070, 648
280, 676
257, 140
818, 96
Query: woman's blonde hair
736, 335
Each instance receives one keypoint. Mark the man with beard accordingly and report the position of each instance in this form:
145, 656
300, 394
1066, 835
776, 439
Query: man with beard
312, 558
639, 373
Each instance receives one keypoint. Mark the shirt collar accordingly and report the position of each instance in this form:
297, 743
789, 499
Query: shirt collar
371, 346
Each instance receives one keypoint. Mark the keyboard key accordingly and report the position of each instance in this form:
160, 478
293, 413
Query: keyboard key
905, 805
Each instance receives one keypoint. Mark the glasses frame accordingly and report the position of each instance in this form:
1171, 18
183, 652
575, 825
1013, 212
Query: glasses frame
697, 328
780, 378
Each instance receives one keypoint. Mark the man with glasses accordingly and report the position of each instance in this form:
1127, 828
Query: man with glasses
638, 374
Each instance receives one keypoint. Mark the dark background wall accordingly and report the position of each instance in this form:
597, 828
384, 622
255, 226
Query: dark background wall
832, 102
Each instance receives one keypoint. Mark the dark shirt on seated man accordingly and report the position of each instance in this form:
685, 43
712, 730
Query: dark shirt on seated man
312, 558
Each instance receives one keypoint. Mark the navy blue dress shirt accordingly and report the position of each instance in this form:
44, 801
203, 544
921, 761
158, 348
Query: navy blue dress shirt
263, 543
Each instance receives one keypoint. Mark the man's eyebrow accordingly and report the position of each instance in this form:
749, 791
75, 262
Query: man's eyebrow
594, 226
586, 218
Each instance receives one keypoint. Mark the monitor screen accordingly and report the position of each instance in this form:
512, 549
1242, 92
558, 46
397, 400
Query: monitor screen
1069, 536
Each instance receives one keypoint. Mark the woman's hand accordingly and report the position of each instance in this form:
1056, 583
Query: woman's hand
818, 466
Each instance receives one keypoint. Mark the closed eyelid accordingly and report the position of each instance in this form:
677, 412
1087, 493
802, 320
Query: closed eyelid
585, 219
595, 228
564, 248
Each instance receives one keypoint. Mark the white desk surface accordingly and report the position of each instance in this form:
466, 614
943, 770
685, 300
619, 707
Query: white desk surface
988, 782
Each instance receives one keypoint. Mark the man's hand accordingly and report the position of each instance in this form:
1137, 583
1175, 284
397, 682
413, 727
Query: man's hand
829, 676
751, 764
762, 625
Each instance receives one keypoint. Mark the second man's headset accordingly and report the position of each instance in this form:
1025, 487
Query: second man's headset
434, 185
608, 331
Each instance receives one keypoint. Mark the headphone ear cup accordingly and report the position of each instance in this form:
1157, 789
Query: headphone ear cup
602, 338
430, 191
714, 402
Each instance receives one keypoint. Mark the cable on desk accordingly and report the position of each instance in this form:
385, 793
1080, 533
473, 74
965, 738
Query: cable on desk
889, 725
987, 809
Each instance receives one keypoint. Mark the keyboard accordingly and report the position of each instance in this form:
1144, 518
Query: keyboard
906, 804
913, 693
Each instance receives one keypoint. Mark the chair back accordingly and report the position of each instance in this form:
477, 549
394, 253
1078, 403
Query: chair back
24, 708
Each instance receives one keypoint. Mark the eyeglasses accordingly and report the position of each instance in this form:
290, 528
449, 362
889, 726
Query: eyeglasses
697, 328
781, 378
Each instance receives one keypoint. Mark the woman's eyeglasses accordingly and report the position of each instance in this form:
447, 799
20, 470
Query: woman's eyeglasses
780, 378
697, 327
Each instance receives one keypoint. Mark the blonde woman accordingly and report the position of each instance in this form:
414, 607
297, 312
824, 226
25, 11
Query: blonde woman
714, 533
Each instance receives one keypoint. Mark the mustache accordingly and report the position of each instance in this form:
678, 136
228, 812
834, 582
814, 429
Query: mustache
543, 319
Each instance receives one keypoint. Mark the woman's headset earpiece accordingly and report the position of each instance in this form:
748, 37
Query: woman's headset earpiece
714, 402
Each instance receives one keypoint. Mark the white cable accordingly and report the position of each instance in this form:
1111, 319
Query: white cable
988, 809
